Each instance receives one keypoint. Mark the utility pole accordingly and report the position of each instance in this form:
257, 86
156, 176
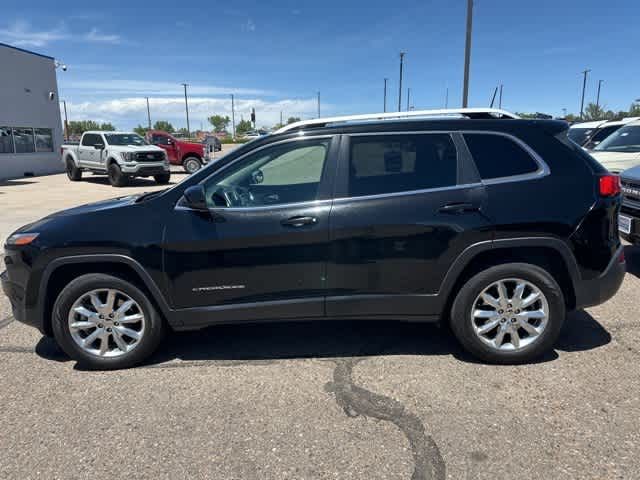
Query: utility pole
584, 87
408, 97
493, 98
186, 107
467, 54
148, 114
598, 96
402, 54
446, 98
66, 121
385, 95
500, 98
281, 124
233, 118
318, 104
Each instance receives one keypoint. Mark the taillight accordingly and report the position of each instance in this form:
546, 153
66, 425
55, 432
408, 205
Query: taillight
609, 185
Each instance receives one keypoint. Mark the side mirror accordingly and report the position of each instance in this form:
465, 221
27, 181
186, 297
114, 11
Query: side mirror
169, 141
195, 198
98, 146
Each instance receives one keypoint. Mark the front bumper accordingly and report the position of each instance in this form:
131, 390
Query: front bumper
151, 168
16, 295
593, 292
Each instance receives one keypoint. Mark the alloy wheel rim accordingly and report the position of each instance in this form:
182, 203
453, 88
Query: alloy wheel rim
192, 166
510, 314
106, 323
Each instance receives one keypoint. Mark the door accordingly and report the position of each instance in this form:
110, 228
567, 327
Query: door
164, 142
261, 250
410, 205
88, 155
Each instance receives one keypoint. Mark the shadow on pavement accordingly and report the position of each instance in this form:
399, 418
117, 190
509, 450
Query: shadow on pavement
15, 183
133, 182
263, 343
632, 256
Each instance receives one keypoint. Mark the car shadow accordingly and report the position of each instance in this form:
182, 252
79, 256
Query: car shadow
269, 342
133, 182
15, 183
632, 256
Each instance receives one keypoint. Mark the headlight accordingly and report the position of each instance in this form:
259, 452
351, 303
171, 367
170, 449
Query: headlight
18, 239
128, 156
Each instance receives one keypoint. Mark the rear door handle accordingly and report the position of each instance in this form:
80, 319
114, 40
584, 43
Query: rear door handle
459, 208
299, 221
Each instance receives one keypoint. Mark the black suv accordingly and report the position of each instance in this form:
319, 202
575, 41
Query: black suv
496, 226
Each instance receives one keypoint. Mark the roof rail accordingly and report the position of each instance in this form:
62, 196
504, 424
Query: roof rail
450, 112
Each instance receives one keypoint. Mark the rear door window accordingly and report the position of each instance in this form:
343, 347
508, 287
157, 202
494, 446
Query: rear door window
384, 164
497, 156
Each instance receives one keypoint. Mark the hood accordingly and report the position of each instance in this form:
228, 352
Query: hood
632, 174
135, 148
96, 206
616, 161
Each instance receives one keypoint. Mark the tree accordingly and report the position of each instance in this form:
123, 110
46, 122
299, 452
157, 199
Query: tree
634, 110
79, 127
292, 120
243, 127
219, 122
163, 126
140, 130
594, 112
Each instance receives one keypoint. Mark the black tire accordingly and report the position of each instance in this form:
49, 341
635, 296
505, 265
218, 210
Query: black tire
192, 164
154, 329
461, 322
73, 173
162, 179
116, 177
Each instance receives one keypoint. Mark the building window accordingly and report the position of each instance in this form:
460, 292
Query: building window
44, 140
23, 140
6, 140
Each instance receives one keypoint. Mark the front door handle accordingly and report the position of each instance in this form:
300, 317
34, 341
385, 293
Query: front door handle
299, 221
460, 207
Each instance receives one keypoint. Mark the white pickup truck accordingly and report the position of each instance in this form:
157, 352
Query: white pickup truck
120, 155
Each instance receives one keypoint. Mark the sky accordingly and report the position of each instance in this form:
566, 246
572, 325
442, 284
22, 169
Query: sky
275, 55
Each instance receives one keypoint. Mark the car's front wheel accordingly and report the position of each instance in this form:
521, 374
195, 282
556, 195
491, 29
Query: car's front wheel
508, 314
116, 177
162, 179
105, 322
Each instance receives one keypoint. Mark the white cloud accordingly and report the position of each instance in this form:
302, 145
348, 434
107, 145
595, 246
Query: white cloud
249, 26
95, 36
125, 87
21, 34
126, 113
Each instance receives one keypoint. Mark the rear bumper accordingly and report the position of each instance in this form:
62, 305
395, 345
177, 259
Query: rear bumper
598, 290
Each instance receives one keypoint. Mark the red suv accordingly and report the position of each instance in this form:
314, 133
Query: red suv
188, 154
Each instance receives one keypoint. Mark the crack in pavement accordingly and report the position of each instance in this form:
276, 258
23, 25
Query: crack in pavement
6, 321
356, 401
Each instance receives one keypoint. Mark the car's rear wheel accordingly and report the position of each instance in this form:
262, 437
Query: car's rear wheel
73, 173
116, 177
162, 178
105, 322
510, 313
192, 164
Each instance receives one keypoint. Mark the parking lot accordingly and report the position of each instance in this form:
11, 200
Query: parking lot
365, 400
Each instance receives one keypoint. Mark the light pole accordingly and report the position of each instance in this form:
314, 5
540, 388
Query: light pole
186, 107
598, 96
446, 98
584, 87
408, 97
66, 121
385, 95
402, 54
467, 55
148, 114
500, 98
318, 104
233, 118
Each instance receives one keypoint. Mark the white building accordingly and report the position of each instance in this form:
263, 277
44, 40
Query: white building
30, 126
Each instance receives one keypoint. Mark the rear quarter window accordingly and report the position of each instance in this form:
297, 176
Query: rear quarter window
497, 156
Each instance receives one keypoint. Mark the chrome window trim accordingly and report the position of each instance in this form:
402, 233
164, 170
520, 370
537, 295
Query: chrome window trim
408, 192
542, 171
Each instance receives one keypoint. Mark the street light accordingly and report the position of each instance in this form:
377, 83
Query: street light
186, 107
402, 54
467, 54
584, 87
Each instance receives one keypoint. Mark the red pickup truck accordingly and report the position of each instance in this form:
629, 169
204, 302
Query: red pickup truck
190, 155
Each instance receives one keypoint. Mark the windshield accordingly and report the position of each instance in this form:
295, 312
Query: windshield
579, 135
627, 139
125, 139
